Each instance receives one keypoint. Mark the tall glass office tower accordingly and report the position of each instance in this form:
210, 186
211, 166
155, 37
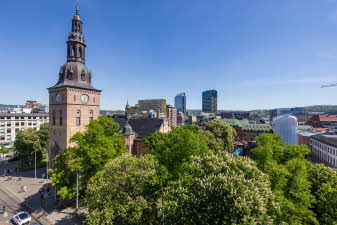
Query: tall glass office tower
210, 101
180, 102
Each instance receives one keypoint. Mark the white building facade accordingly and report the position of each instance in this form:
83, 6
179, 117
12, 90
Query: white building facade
11, 123
324, 149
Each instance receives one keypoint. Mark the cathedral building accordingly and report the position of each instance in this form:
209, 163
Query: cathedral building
73, 101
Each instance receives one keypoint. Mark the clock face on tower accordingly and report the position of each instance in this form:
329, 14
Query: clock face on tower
58, 97
85, 98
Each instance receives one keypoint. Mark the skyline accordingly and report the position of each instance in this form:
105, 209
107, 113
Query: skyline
277, 54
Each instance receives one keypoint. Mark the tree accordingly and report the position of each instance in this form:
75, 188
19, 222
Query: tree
174, 150
123, 192
288, 174
324, 187
224, 136
220, 189
43, 134
93, 149
4, 150
27, 142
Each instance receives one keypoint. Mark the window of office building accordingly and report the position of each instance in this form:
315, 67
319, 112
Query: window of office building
22, 117
29, 123
22, 123
17, 124
16, 130
8, 117
2, 138
2, 131
9, 131
9, 124
2, 118
16, 117
2, 124
8, 138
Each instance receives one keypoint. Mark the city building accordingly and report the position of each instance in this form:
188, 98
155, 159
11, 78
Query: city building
235, 115
181, 119
324, 149
323, 121
136, 130
11, 123
246, 131
171, 114
180, 102
305, 135
73, 101
286, 126
210, 101
157, 105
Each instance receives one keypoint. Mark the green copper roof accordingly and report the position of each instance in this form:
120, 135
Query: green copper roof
245, 125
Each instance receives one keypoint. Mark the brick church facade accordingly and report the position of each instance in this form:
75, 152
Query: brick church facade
73, 101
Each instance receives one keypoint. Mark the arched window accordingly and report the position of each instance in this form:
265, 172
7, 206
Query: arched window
74, 51
74, 98
94, 99
91, 115
83, 77
80, 52
79, 27
61, 118
69, 75
54, 118
74, 26
78, 118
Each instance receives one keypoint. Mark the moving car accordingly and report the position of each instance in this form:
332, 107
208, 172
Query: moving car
21, 218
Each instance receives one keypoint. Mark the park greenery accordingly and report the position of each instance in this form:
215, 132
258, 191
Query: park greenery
190, 176
31, 142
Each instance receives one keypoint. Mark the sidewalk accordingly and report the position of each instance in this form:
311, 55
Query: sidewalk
32, 198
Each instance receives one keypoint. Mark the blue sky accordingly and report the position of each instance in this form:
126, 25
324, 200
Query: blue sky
256, 53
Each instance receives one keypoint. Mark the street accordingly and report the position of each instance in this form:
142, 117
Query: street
11, 208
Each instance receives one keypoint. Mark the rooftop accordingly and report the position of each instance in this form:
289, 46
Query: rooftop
326, 138
142, 127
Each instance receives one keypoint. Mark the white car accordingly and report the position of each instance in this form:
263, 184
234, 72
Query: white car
22, 218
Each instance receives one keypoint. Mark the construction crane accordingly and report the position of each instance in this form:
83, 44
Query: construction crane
328, 85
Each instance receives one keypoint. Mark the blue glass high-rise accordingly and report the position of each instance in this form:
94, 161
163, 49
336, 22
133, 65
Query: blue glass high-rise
180, 102
210, 101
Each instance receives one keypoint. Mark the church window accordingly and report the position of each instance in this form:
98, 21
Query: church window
78, 118
54, 119
80, 51
61, 119
94, 99
70, 75
74, 98
83, 77
91, 115
74, 51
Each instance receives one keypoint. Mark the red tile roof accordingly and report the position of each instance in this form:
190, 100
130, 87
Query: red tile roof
328, 118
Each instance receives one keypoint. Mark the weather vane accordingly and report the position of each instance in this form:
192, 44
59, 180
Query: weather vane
77, 7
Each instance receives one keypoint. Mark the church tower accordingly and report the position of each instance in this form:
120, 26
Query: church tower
73, 101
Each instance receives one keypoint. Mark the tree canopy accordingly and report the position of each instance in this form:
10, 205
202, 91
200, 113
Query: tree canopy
27, 143
123, 192
92, 150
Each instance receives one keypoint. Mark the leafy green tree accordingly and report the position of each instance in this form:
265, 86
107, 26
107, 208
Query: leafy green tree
174, 150
43, 134
288, 174
224, 136
123, 192
221, 189
27, 142
324, 187
93, 149
4, 150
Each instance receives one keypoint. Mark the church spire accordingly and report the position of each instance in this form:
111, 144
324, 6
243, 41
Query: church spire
76, 44
77, 7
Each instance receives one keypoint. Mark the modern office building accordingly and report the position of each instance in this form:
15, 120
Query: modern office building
210, 101
180, 102
11, 123
157, 105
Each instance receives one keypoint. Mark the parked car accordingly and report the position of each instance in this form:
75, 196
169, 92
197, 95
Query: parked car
22, 218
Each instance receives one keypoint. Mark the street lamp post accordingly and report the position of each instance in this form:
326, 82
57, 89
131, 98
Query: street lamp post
35, 163
77, 191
